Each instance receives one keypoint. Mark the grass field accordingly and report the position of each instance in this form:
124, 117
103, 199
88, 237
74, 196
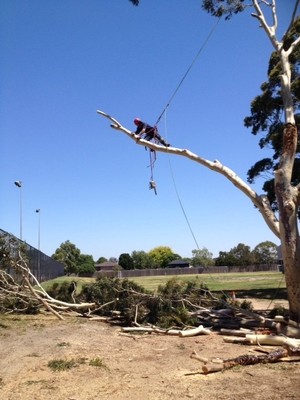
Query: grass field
225, 281
256, 284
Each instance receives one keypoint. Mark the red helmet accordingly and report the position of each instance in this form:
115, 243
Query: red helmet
137, 121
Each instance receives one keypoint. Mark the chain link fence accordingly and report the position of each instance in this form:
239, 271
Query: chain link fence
41, 266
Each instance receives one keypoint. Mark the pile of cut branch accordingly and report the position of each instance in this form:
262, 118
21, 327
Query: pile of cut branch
177, 308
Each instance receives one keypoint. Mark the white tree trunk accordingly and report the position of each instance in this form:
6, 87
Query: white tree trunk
288, 197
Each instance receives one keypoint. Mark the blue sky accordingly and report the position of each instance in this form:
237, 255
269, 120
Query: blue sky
63, 60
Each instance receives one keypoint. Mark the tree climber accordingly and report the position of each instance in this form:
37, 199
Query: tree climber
149, 131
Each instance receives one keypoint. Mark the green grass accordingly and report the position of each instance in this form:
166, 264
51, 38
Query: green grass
98, 362
256, 284
225, 281
79, 281
61, 365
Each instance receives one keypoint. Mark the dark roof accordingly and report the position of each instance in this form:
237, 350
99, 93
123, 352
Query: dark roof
107, 265
179, 262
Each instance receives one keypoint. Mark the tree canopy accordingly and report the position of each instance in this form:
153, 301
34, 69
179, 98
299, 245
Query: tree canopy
265, 253
161, 256
266, 119
276, 114
125, 261
202, 257
142, 260
68, 254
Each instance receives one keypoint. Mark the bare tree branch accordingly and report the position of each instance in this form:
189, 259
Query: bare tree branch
261, 202
270, 30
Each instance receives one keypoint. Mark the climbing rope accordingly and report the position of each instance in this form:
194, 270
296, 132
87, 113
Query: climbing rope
188, 70
225, 295
152, 184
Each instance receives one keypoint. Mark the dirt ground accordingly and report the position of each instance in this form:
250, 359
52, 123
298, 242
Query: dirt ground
143, 367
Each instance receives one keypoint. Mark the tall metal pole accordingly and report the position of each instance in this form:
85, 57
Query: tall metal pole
19, 185
38, 211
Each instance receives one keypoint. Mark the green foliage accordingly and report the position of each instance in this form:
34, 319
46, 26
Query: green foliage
142, 260
98, 362
12, 251
217, 8
58, 365
62, 291
121, 294
227, 8
176, 300
161, 256
265, 253
86, 269
267, 110
5, 253
18, 305
86, 265
246, 305
202, 257
101, 260
278, 310
240, 255
125, 261
170, 306
69, 255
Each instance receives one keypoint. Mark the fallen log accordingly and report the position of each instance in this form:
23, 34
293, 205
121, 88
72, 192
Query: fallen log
287, 327
235, 332
175, 332
272, 340
196, 356
194, 332
247, 359
146, 329
236, 340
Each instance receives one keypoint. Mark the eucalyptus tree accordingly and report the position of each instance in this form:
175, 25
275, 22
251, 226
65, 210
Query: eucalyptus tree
284, 222
202, 257
69, 255
265, 253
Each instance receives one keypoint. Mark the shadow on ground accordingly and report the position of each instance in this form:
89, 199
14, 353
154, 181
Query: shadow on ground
271, 294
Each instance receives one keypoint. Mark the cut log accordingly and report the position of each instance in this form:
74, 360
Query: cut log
246, 359
273, 340
196, 356
194, 332
146, 329
236, 340
235, 332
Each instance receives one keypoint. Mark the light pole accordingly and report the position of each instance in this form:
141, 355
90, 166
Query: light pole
38, 211
19, 185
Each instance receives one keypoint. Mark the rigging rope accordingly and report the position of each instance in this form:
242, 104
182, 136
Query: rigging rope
188, 70
152, 183
226, 296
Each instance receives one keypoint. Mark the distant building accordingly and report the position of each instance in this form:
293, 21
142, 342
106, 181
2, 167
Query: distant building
107, 266
178, 264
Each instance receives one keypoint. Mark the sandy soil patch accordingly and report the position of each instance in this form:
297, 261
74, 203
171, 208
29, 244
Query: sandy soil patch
149, 367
